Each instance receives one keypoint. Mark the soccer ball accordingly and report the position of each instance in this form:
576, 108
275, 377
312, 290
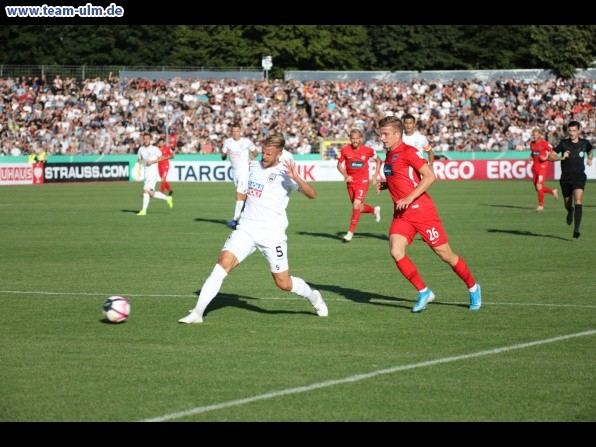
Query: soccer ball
116, 309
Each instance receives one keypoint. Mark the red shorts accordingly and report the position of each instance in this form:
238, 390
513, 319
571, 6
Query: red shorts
163, 172
539, 176
431, 230
357, 190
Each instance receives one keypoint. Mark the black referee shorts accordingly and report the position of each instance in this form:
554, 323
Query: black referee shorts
570, 185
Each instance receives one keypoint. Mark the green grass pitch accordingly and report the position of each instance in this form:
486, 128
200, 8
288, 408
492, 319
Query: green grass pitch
263, 355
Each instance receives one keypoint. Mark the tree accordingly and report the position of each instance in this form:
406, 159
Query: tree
308, 47
84, 45
302, 47
387, 44
415, 47
495, 47
142, 45
213, 46
563, 49
30, 44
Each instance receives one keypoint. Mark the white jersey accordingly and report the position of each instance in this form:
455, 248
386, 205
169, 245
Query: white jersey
285, 156
146, 153
238, 151
417, 140
267, 199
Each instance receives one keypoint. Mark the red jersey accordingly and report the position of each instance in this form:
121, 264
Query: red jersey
356, 161
540, 148
401, 174
166, 151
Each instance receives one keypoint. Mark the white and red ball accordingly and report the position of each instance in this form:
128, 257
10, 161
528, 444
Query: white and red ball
116, 309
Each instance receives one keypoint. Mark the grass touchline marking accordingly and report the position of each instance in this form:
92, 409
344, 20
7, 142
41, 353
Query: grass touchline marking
359, 377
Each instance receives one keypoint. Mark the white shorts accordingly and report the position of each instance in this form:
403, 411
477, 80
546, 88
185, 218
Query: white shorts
241, 181
150, 180
273, 246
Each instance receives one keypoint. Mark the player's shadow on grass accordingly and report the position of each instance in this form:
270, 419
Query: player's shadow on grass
227, 300
217, 221
531, 208
495, 205
339, 235
526, 233
358, 296
150, 211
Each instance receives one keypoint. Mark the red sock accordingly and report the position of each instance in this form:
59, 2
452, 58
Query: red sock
367, 209
355, 219
547, 190
541, 197
410, 272
462, 270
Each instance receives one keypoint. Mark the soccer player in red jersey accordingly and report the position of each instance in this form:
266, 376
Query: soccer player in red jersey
407, 177
352, 163
540, 151
164, 166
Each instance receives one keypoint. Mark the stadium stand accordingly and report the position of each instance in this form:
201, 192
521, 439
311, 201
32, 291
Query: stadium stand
108, 115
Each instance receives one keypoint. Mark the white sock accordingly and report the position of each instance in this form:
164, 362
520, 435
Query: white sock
473, 289
160, 195
145, 200
300, 288
238, 209
210, 289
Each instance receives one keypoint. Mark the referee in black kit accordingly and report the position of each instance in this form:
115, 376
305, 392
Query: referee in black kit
571, 151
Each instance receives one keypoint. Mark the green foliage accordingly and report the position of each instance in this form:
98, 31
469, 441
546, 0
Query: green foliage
388, 44
263, 354
93, 45
212, 46
142, 45
562, 48
494, 47
416, 47
26, 45
340, 47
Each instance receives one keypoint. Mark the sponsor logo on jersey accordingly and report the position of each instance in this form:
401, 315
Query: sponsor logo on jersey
255, 189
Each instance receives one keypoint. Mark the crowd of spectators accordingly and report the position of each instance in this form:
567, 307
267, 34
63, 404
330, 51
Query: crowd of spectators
108, 116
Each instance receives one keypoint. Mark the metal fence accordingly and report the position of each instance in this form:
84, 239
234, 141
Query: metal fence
438, 75
80, 72
85, 72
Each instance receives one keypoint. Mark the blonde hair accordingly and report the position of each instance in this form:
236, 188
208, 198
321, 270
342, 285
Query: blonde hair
274, 139
392, 121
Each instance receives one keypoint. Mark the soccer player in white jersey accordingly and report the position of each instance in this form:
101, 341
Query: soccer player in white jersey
149, 155
414, 138
262, 227
241, 151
